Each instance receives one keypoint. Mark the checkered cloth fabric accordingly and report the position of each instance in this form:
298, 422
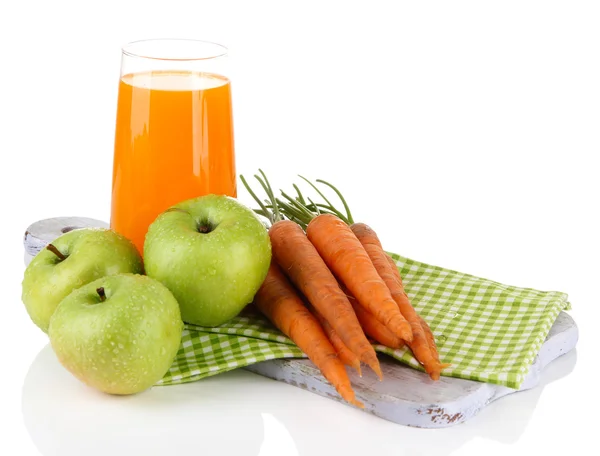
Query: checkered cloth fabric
487, 331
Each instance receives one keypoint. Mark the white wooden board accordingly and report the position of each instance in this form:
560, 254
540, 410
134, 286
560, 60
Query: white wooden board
409, 397
406, 396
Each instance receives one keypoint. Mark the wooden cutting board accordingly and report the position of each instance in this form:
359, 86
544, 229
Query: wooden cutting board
406, 396
409, 397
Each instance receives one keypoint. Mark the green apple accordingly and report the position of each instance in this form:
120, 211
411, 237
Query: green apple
118, 334
212, 252
70, 261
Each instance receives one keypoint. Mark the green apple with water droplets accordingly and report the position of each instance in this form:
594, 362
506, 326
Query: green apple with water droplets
118, 334
212, 252
70, 261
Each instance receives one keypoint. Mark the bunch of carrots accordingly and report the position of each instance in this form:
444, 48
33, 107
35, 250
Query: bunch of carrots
333, 290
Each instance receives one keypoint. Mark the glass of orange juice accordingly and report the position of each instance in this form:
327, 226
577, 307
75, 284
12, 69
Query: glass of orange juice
174, 130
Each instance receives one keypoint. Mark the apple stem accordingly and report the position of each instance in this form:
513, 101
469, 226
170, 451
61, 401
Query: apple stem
56, 252
101, 293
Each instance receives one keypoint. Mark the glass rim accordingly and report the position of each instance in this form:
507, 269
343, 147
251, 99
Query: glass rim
218, 49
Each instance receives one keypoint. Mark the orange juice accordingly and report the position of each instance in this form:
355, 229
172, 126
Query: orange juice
174, 141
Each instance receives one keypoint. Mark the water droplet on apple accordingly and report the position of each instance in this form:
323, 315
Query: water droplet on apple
121, 346
112, 344
134, 342
142, 333
116, 351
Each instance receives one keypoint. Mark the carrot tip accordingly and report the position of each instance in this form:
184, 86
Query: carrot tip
436, 373
348, 396
356, 367
357, 403
379, 373
373, 363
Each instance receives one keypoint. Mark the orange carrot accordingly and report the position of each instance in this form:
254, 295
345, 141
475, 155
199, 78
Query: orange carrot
424, 324
349, 261
394, 267
434, 350
346, 356
421, 342
373, 327
301, 262
279, 302
430, 339
419, 345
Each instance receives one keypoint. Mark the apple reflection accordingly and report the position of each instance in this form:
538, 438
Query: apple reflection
65, 417
243, 414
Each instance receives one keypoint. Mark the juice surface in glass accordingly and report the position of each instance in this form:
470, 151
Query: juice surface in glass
174, 141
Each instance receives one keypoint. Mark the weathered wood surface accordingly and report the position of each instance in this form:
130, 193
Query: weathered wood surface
409, 397
42, 232
406, 396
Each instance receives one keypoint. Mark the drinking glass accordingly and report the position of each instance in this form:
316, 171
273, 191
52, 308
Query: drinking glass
174, 130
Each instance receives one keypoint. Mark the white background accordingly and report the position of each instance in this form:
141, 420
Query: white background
464, 132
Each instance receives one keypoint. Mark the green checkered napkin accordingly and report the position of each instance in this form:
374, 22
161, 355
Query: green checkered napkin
488, 331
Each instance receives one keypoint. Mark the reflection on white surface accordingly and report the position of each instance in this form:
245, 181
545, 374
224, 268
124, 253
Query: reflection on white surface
277, 438
243, 414
65, 417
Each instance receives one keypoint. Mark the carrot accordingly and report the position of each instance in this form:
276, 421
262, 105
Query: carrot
349, 261
423, 344
419, 345
430, 339
344, 353
302, 264
428, 333
394, 267
434, 350
424, 324
371, 326
279, 302
382, 335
